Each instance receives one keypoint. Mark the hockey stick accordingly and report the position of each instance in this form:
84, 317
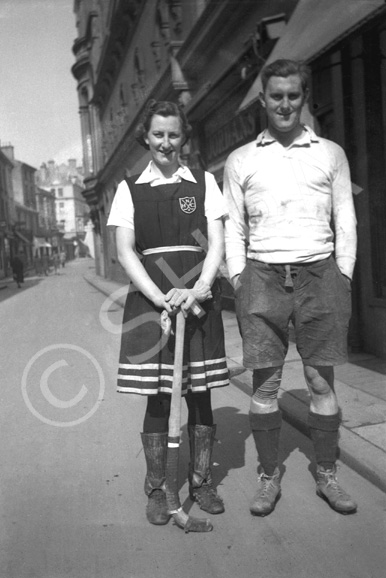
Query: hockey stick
187, 523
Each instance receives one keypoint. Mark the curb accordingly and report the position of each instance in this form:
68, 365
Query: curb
357, 453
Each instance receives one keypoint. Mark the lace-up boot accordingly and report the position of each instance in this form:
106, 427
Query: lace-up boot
155, 448
201, 490
268, 492
327, 487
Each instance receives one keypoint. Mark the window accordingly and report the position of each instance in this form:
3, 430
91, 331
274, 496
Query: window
375, 87
60, 192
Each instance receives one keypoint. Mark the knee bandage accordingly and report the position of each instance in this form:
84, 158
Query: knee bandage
266, 383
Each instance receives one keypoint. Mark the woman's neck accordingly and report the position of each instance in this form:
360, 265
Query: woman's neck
166, 171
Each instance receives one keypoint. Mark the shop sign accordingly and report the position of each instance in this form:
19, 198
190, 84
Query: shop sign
238, 131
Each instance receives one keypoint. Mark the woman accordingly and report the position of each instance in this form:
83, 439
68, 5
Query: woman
163, 217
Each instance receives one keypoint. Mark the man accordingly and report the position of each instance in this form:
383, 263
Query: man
289, 186
17, 265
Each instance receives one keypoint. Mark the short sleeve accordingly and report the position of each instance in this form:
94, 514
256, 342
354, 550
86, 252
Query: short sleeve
215, 204
122, 208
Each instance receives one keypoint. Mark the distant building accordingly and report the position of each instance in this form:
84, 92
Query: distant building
47, 238
25, 214
65, 182
6, 208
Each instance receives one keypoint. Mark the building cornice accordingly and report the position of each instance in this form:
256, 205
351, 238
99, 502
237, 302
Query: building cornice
115, 46
217, 21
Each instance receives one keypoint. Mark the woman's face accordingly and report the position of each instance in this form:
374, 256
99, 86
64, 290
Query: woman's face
165, 138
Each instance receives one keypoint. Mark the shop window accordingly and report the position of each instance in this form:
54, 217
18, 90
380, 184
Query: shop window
326, 123
322, 99
375, 86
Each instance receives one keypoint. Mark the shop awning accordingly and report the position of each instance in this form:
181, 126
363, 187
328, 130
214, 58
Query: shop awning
41, 242
24, 239
314, 26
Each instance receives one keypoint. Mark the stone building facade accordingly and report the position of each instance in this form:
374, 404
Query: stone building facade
207, 55
65, 183
6, 213
203, 54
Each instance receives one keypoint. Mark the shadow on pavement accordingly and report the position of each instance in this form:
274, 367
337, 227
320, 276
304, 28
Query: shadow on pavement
228, 451
10, 288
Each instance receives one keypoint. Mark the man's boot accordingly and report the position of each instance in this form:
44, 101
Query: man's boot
327, 487
267, 494
324, 434
266, 433
201, 490
155, 448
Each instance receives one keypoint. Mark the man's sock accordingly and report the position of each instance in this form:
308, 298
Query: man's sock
266, 433
324, 434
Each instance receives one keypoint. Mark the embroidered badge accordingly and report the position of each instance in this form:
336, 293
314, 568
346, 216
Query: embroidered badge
188, 204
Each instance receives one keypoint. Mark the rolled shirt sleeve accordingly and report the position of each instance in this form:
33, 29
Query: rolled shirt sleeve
236, 230
215, 204
344, 215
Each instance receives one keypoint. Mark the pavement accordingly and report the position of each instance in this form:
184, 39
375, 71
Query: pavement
360, 385
9, 281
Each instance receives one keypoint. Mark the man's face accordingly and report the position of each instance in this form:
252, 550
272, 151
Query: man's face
283, 100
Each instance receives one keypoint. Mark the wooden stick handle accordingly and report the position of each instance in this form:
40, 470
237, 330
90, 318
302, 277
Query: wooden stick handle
187, 523
172, 498
175, 406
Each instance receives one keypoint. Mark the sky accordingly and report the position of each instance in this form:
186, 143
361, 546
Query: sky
38, 99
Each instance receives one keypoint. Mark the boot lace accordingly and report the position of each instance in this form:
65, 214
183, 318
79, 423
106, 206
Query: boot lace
158, 496
332, 484
268, 485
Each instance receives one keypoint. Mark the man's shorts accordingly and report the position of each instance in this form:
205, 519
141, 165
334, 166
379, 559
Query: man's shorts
318, 303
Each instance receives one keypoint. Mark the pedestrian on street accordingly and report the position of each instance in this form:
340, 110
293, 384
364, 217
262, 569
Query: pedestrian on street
162, 215
17, 265
45, 265
38, 265
291, 184
63, 258
56, 263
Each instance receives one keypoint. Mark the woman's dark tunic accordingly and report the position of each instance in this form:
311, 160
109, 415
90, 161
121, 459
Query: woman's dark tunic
168, 216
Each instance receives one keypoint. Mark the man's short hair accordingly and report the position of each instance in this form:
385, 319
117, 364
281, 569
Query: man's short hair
284, 68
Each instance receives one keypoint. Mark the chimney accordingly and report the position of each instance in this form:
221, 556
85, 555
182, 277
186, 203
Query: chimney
51, 173
72, 167
8, 150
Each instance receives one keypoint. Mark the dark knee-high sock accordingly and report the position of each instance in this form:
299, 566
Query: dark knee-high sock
199, 408
266, 433
324, 434
157, 413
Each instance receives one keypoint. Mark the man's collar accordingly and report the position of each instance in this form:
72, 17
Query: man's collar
306, 138
152, 173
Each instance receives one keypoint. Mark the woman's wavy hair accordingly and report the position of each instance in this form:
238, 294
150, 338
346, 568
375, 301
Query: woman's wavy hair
163, 108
